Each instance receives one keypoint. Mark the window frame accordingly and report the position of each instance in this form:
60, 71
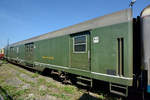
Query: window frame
17, 50
29, 47
79, 44
11, 50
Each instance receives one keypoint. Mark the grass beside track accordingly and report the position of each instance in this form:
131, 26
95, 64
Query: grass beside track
17, 83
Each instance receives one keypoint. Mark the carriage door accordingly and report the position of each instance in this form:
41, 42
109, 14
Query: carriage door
29, 53
80, 50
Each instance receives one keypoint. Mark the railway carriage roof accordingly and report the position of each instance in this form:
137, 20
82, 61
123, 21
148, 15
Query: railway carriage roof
146, 11
114, 18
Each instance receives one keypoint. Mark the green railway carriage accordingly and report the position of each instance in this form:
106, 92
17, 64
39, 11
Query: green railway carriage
101, 48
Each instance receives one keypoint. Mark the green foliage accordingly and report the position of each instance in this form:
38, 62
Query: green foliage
43, 92
51, 84
69, 89
9, 88
61, 95
39, 87
20, 70
35, 75
24, 80
101, 97
14, 92
21, 92
4, 61
1, 81
41, 81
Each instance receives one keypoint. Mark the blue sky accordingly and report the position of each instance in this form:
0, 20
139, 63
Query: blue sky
23, 19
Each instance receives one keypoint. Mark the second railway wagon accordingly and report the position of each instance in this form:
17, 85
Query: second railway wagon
1, 53
101, 48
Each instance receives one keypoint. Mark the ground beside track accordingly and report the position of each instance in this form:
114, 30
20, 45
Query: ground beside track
17, 83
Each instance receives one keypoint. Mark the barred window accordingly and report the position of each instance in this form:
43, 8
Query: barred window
80, 44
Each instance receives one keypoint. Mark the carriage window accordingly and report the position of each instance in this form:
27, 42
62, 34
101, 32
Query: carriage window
80, 44
17, 49
11, 49
29, 47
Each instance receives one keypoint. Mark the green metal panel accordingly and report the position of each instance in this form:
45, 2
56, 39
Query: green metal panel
21, 52
53, 51
80, 60
105, 53
13, 52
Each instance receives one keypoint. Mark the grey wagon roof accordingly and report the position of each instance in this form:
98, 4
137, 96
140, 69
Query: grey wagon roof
114, 18
146, 11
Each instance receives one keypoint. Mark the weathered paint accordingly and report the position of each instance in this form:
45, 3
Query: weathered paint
56, 49
104, 54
